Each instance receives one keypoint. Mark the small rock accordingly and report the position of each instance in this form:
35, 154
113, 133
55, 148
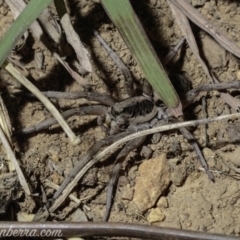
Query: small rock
78, 216
123, 181
178, 175
162, 202
54, 152
234, 156
214, 53
156, 138
155, 215
127, 193
153, 179
198, 3
146, 152
133, 172
208, 153
238, 75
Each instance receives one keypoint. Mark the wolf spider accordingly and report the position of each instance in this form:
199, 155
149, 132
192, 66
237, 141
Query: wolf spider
118, 119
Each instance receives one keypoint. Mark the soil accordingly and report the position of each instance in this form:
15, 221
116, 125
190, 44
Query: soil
190, 201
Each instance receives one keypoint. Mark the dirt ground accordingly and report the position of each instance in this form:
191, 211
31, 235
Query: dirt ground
190, 200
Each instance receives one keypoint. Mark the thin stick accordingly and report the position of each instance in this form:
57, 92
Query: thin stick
170, 127
9, 67
207, 26
115, 172
12, 157
102, 155
195, 146
69, 182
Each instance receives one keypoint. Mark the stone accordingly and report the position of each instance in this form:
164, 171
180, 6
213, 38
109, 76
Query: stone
238, 75
153, 179
162, 202
214, 53
155, 215
198, 3
127, 193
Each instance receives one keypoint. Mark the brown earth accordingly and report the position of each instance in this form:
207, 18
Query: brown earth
191, 201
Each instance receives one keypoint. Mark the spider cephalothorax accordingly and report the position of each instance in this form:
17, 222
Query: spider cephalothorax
131, 110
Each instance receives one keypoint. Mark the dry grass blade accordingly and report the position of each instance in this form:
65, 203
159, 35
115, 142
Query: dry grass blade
9, 67
187, 32
55, 186
203, 23
104, 153
6, 127
72, 37
49, 26
12, 157
20, 25
16, 7
74, 74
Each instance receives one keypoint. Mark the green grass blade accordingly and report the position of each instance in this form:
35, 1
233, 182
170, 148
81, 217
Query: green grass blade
123, 16
20, 25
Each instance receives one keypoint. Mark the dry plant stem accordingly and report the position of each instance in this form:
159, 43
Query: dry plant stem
88, 110
123, 69
205, 115
102, 155
195, 146
230, 165
173, 52
91, 96
16, 8
131, 145
206, 25
94, 229
55, 186
187, 31
49, 26
85, 159
9, 67
189, 97
74, 74
12, 157
72, 37
6, 127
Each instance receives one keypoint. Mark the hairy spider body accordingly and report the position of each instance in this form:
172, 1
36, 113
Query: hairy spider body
135, 109
138, 109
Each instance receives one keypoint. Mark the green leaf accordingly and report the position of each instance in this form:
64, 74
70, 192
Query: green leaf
123, 16
20, 25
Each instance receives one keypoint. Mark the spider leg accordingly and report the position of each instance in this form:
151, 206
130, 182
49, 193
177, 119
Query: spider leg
87, 110
116, 169
91, 96
195, 146
93, 150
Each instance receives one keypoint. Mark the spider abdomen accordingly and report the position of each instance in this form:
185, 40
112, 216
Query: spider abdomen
135, 110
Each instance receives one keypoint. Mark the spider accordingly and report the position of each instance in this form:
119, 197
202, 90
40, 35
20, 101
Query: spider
118, 120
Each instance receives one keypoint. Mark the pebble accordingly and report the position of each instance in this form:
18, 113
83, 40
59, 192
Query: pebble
214, 53
153, 179
198, 3
179, 175
127, 193
155, 215
162, 202
238, 75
